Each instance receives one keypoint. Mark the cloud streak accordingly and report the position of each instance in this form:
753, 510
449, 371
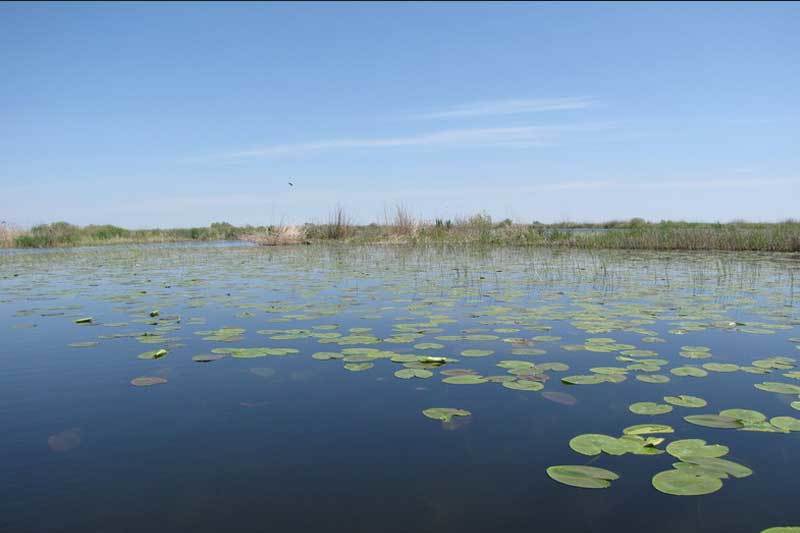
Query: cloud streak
509, 107
519, 136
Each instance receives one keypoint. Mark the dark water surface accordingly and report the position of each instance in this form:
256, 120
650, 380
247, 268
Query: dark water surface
306, 445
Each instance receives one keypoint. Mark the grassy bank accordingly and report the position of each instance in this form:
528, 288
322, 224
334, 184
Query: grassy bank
62, 234
634, 234
476, 230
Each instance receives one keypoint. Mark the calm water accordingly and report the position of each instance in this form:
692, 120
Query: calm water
292, 443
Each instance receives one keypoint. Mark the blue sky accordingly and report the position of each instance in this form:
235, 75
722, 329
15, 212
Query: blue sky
184, 114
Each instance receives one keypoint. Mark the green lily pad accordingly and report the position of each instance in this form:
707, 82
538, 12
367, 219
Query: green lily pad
587, 477
608, 370
403, 358
779, 388
249, 353
695, 448
591, 379
647, 429
683, 400
594, 443
714, 421
786, 423
445, 414
358, 367
516, 364
649, 408
721, 466
326, 356
477, 353
653, 378
691, 371
428, 346
525, 385
721, 367
155, 354
678, 483
745, 416
408, 373
467, 379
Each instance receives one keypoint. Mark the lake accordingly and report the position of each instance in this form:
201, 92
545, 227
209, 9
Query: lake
293, 418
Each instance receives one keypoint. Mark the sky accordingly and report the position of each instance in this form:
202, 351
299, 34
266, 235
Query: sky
185, 114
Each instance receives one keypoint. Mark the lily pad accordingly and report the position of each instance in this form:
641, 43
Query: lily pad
466, 379
721, 367
695, 448
408, 373
590, 379
786, 423
777, 387
691, 371
679, 483
523, 385
683, 400
714, 421
745, 416
652, 378
445, 414
155, 354
721, 466
477, 353
594, 443
327, 356
587, 477
358, 367
147, 381
649, 408
647, 429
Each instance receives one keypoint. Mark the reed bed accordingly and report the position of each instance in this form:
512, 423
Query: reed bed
404, 229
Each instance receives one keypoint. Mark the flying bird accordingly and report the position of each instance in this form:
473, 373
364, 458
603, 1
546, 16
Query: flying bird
291, 184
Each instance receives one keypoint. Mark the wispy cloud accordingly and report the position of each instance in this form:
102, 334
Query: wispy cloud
509, 107
520, 136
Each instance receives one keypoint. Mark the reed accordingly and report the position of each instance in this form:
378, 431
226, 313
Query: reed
404, 229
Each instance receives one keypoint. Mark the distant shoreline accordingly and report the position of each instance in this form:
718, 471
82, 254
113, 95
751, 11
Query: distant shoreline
635, 234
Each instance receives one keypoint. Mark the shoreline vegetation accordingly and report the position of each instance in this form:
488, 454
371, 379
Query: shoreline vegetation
403, 229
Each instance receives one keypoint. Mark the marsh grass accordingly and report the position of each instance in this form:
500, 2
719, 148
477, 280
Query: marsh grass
62, 234
403, 223
338, 227
8, 234
403, 229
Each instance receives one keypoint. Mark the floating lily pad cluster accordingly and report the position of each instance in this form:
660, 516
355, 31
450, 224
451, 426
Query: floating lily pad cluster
746, 420
700, 469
